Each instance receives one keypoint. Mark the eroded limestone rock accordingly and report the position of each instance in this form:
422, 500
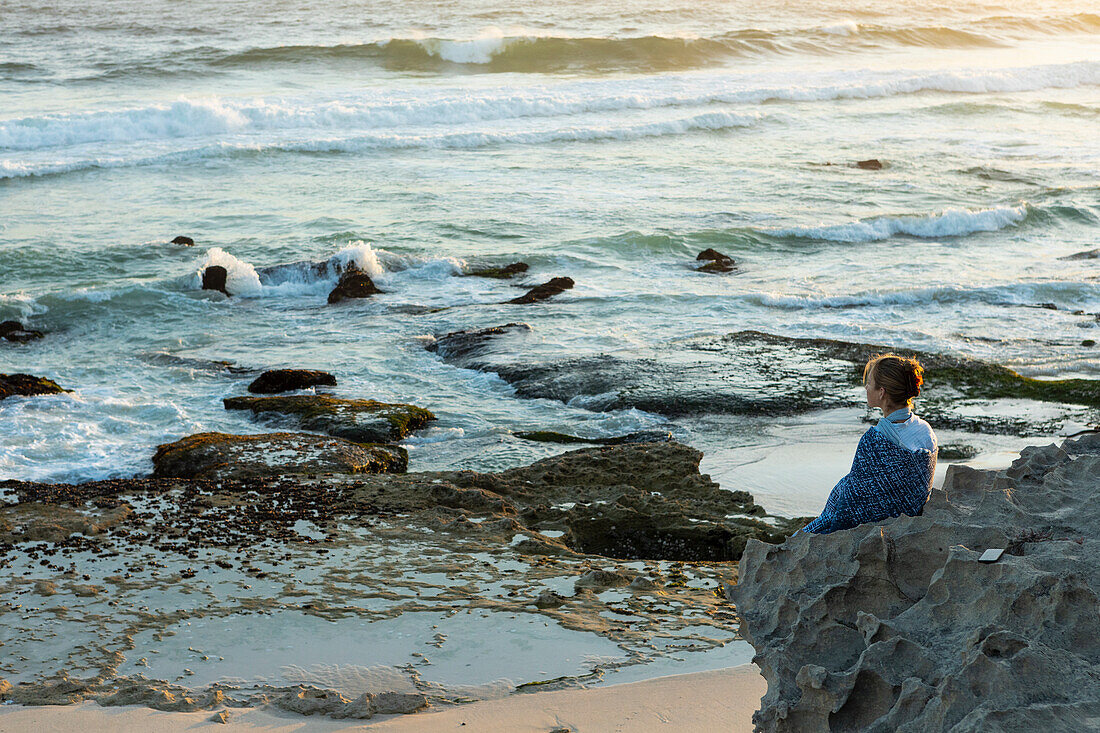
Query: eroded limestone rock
897, 626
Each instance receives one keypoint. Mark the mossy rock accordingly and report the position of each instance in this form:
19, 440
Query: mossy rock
361, 421
225, 456
27, 385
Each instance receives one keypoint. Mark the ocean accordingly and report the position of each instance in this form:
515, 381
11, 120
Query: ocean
609, 143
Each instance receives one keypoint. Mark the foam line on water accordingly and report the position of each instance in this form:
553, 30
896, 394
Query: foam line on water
947, 223
398, 109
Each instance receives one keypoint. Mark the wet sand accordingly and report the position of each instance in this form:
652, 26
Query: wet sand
721, 700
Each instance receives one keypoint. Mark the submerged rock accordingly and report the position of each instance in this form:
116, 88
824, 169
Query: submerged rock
214, 278
871, 164
16, 331
353, 284
361, 421
548, 436
547, 290
224, 456
27, 385
715, 261
1089, 254
500, 273
897, 626
755, 373
288, 380
185, 241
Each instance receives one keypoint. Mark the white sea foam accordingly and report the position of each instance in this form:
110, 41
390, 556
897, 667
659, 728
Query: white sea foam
399, 109
479, 49
948, 223
847, 28
241, 278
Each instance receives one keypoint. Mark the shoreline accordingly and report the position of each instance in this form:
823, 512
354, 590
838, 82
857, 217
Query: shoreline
718, 700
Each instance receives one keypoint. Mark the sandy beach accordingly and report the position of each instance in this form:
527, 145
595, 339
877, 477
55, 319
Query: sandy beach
723, 700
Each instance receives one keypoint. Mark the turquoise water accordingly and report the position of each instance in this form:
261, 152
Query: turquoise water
606, 142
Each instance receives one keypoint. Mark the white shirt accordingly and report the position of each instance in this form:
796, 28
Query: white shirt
912, 432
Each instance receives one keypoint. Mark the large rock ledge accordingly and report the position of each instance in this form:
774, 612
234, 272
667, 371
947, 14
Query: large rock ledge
898, 627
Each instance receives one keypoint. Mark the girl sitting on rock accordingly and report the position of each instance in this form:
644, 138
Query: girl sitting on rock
895, 460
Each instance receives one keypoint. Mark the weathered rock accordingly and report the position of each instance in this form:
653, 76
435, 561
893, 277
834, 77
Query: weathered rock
602, 579
223, 456
547, 290
396, 703
716, 261
500, 273
309, 700
755, 373
897, 626
458, 345
16, 331
352, 285
360, 421
222, 716
27, 385
871, 164
549, 599
288, 380
215, 278
956, 452
185, 241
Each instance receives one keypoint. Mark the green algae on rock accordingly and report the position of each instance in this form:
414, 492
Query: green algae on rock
756, 373
27, 385
360, 421
224, 456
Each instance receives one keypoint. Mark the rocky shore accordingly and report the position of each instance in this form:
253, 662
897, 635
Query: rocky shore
109, 584
899, 627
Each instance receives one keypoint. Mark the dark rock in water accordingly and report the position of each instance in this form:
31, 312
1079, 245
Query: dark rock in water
214, 278
287, 380
957, 452
1089, 254
27, 385
755, 373
871, 164
224, 456
185, 241
459, 344
500, 273
16, 331
353, 284
716, 261
544, 291
361, 421
897, 626
1088, 342
548, 436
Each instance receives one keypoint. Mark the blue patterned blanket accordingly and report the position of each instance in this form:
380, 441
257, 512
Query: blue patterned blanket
886, 481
